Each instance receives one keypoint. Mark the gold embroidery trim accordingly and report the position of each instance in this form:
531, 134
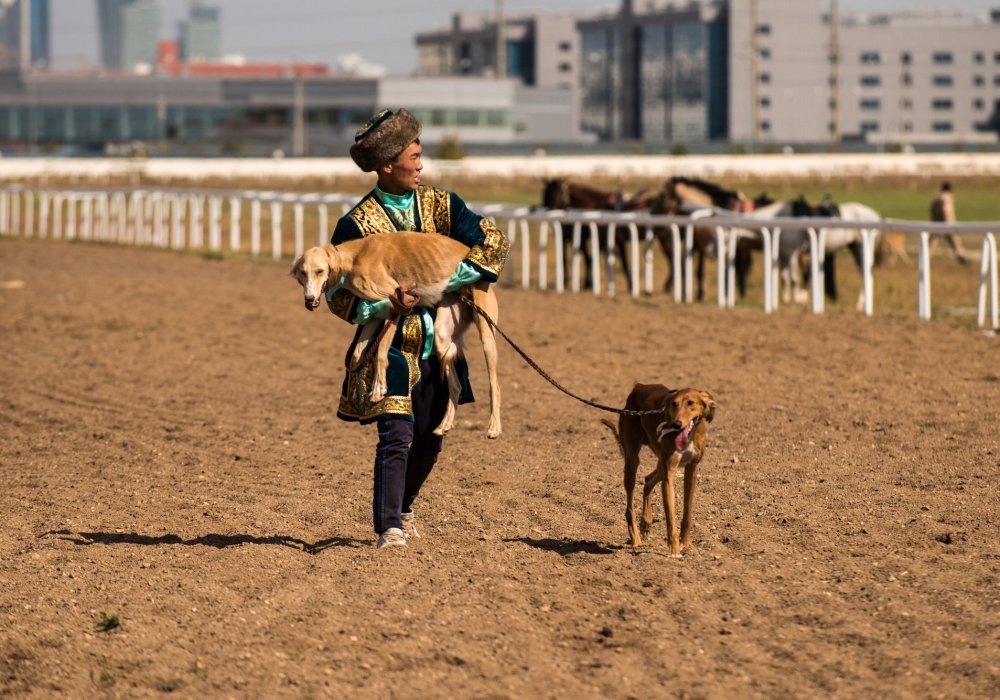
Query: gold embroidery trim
354, 402
492, 254
371, 218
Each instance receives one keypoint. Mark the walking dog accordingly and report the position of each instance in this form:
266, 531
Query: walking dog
373, 268
676, 435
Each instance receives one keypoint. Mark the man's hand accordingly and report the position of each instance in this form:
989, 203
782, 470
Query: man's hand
402, 301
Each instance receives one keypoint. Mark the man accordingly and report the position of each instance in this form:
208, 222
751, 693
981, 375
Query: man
389, 146
943, 210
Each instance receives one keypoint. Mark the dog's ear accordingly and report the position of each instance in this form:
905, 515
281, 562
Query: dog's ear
296, 270
668, 403
332, 258
709, 402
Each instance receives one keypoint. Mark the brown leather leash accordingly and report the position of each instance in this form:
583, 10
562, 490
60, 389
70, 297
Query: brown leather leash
545, 375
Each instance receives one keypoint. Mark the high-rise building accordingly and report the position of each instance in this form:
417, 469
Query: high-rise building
129, 32
655, 73
201, 34
24, 33
540, 48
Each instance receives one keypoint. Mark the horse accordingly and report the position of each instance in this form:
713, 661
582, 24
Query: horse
794, 242
561, 193
839, 238
680, 195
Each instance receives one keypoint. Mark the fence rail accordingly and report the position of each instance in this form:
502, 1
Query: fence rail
176, 218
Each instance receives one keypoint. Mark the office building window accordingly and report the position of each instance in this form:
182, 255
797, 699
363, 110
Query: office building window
565, 67
906, 79
942, 127
870, 104
996, 57
765, 102
978, 104
905, 58
996, 80
765, 54
764, 29
871, 58
941, 104
765, 125
765, 78
942, 81
978, 57
907, 127
870, 81
565, 46
907, 104
869, 127
978, 80
942, 57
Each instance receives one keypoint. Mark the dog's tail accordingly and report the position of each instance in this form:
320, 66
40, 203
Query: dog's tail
614, 430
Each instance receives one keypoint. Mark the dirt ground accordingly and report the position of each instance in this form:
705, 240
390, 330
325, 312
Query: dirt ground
171, 462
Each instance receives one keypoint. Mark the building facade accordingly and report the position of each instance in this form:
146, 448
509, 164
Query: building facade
541, 49
779, 72
200, 34
129, 31
655, 73
256, 115
920, 78
24, 33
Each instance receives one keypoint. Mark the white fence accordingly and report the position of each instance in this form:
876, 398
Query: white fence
177, 219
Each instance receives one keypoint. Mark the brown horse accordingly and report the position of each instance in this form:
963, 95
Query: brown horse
561, 193
680, 195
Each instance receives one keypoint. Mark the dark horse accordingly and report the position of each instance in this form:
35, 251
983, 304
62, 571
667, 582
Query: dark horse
680, 195
560, 193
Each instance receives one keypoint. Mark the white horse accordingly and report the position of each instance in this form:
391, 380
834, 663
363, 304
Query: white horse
851, 238
794, 241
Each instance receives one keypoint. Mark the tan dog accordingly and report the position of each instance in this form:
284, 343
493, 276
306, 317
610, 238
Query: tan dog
677, 436
421, 263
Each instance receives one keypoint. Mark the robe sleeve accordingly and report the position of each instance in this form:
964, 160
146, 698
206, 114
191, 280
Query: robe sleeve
488, 245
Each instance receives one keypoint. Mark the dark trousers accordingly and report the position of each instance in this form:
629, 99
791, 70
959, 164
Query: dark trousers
406, 452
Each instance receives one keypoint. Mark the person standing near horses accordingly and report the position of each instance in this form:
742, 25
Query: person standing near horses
943, 210
389, 146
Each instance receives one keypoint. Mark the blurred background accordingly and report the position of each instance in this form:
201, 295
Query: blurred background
254, 77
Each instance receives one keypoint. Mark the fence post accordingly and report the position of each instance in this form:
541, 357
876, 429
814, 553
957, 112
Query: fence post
255, 227
215, 223
234, 222
633, 232
988, 283
924, 277
44, 199
29, 213
299, 228
276, 229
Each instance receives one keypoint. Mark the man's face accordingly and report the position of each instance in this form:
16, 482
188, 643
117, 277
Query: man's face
403, 174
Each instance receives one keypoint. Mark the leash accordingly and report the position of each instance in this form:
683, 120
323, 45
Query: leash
534, 365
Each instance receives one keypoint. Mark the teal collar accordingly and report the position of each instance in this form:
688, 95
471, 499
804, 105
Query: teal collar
396, 201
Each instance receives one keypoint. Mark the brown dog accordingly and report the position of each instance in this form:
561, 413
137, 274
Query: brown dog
677, 436
373, 268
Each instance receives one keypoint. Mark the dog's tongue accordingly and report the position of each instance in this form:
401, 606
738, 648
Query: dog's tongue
683, 438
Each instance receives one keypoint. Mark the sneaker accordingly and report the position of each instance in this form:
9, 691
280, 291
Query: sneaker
410, 525
393, 537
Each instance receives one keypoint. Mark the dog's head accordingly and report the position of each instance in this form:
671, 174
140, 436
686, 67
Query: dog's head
683, 410
314, 270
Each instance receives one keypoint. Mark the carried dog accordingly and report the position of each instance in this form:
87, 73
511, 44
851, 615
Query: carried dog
374, 268
676, 435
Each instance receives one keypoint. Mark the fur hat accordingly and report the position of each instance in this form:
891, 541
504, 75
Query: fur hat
384, 137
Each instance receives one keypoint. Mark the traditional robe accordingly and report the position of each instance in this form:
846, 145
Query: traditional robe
435, 211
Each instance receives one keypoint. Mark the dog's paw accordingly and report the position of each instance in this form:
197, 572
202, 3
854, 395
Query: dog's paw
494, 430
377, 393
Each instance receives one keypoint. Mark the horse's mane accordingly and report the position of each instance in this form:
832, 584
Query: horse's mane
720, 195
